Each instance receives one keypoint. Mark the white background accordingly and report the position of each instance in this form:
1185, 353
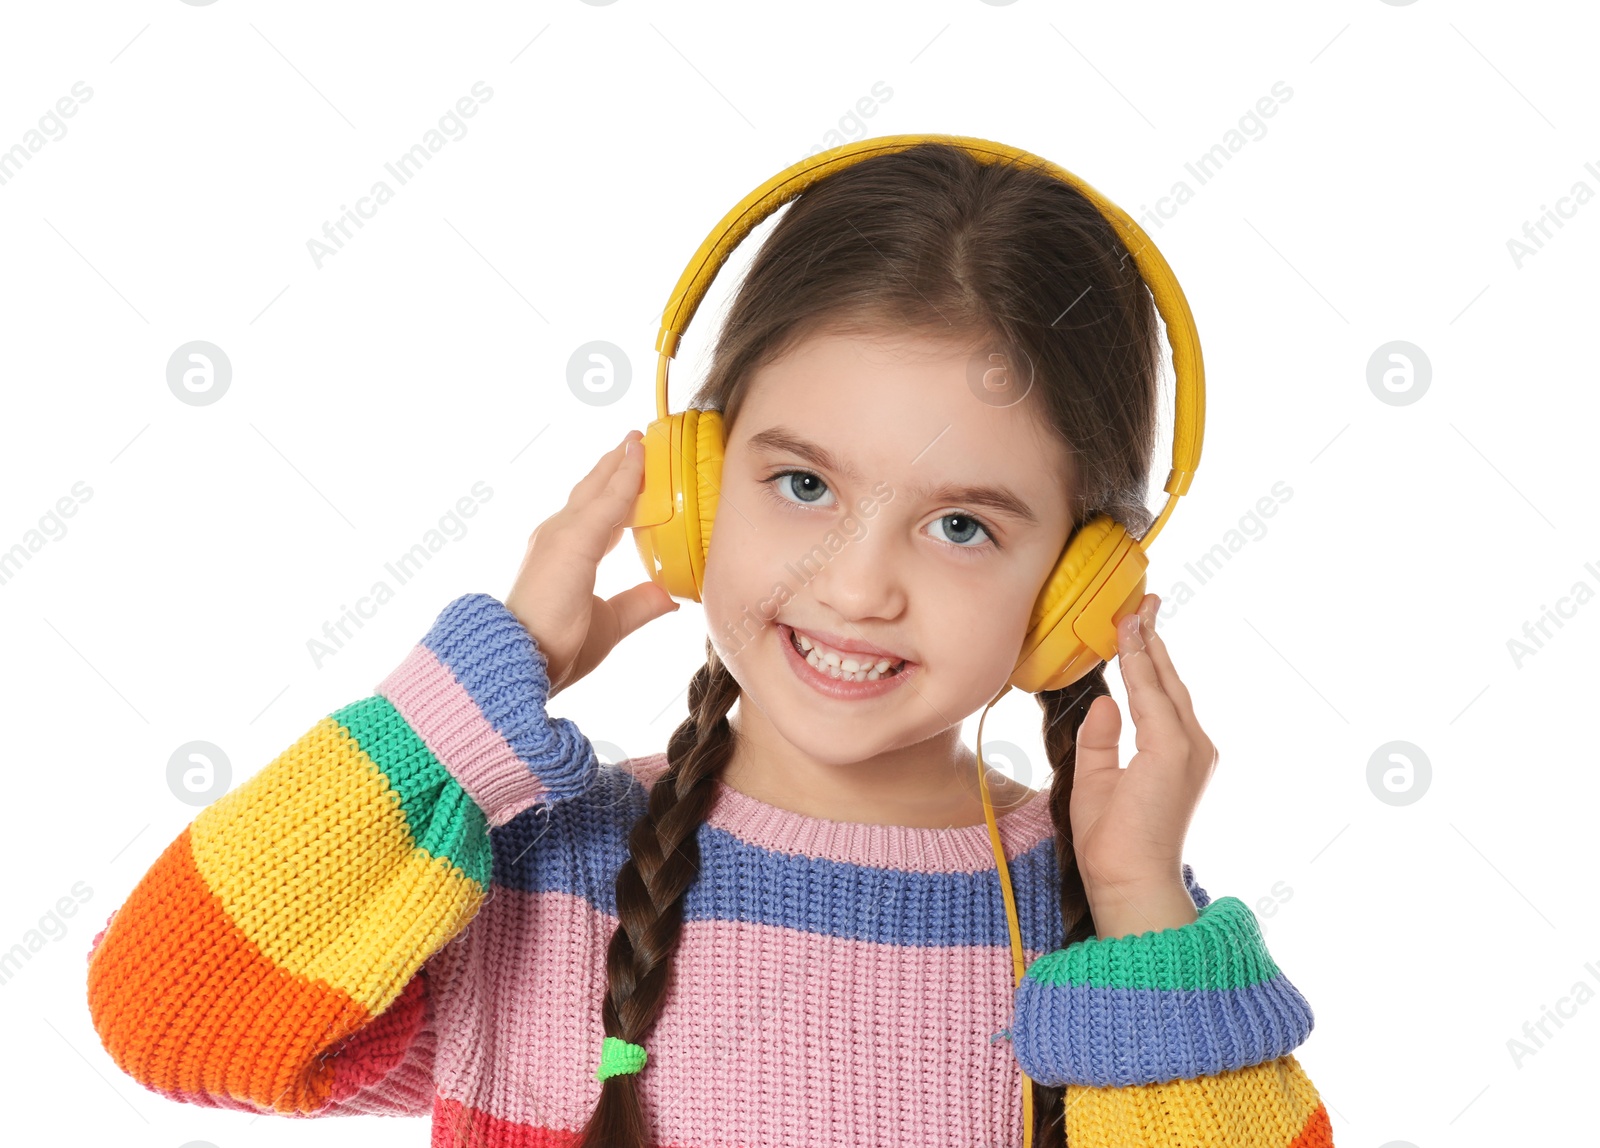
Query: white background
369, 395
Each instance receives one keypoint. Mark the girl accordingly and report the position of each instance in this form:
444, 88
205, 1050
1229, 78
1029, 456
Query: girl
787, 928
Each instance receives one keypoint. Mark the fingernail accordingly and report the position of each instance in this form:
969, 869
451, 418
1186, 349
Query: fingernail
629, 446
1130, 631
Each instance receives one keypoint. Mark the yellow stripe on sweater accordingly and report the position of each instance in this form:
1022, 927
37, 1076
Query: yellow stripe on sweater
1263, 1106
313, 861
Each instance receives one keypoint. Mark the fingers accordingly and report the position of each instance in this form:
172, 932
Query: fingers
627, 480
603, 477
1171, 707
1161, 659
1148, 702
1097, 739
601, 502
640, 604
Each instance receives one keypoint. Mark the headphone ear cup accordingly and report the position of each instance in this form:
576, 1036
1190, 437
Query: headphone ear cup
1099, 578
701, 483
661, 514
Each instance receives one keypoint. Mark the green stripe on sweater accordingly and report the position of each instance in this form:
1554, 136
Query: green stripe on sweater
1223, 949
442, 818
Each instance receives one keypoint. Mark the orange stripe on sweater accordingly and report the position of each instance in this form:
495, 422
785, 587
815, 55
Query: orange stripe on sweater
189, 1007
1318, 1132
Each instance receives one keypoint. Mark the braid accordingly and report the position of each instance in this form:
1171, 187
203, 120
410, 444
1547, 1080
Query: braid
663, 861
1064, 711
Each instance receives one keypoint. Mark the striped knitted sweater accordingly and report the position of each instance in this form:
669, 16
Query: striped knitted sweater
407, 912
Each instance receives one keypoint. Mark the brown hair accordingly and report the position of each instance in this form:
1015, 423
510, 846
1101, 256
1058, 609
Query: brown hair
928, 239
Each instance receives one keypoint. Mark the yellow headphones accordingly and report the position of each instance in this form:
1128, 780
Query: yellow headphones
1100, 576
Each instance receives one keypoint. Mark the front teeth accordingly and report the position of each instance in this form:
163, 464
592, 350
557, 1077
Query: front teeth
843, 668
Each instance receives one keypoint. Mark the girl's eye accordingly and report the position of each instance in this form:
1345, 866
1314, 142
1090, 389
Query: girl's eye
813, 486
968, 525
808, 489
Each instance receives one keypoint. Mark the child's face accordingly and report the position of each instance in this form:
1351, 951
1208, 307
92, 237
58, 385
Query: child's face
881, 557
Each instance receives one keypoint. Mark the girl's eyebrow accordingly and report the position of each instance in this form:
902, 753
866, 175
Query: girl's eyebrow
1000, 499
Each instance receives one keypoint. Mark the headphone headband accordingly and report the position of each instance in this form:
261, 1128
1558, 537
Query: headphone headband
1189, 413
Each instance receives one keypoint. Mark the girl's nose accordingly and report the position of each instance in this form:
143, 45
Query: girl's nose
865, 578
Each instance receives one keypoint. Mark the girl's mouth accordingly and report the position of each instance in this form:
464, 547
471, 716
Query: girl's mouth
842, 675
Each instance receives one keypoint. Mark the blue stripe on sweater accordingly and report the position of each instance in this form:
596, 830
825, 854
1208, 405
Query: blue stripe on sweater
501, 667
577, 847
1106, 1037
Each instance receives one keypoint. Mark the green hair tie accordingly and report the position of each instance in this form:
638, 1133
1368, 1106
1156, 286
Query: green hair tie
618, 1056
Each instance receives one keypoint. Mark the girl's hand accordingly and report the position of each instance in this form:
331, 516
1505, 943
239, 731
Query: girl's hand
1128, 825
554, 596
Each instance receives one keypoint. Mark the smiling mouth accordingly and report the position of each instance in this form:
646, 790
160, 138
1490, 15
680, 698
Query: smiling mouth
840, 668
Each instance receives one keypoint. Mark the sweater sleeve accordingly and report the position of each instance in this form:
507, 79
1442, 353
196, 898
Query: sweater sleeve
275, 958
1178, 1036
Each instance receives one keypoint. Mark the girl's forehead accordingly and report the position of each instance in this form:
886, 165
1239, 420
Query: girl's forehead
885, 380
890, 398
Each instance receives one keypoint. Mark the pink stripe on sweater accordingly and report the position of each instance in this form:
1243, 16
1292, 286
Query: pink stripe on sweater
751, 1010
452, 726
963, 850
